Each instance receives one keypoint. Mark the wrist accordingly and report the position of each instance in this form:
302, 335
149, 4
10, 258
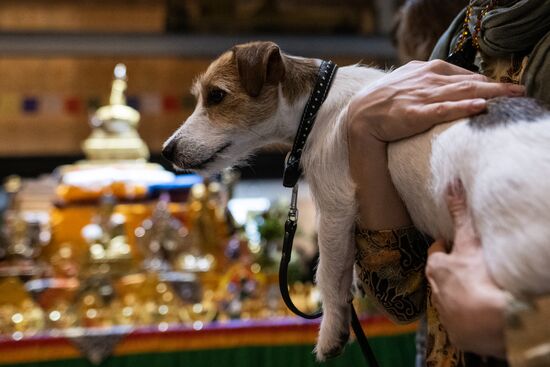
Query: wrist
488, 333
361, 125
361, 137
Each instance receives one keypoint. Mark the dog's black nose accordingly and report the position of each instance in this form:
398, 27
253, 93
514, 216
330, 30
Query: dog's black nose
169, 150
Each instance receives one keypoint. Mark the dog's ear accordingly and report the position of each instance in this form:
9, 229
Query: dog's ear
259, 63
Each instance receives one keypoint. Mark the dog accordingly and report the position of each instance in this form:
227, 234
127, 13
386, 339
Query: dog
253, 95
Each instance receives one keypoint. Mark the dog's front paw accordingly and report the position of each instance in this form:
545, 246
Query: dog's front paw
334, 334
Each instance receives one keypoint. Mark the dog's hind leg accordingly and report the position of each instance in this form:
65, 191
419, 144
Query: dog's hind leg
335, 277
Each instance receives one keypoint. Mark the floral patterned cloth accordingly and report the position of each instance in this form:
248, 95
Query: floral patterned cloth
390, 265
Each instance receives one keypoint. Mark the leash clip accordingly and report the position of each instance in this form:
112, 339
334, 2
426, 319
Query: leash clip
293, 210
292, 171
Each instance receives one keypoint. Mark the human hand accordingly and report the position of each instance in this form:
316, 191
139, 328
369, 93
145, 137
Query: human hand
470, 305
417, 96
407, 101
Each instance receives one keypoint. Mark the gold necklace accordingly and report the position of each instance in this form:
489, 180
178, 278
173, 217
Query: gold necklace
477, 29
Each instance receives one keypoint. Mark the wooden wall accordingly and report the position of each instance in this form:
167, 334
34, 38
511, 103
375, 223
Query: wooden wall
57, 129
83, 15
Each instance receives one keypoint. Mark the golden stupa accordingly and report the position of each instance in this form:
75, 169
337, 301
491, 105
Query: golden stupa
114, 136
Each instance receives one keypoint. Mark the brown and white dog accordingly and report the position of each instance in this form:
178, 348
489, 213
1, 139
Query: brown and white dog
253, 95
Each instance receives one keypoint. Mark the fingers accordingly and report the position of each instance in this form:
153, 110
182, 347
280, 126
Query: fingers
436, 264
442, 67
466, 238
437, 246
456, 203
471, 89
434, 113
448, 68
449, 79
437, 66
437, 270
460, 100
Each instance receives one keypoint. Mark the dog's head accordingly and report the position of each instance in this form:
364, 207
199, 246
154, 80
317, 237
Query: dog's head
237, 102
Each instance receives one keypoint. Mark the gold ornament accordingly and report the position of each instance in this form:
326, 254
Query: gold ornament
114, 135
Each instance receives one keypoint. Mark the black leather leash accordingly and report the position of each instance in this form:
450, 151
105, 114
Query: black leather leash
291, 176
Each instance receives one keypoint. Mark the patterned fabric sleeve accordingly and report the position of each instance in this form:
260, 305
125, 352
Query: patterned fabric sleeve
390, 266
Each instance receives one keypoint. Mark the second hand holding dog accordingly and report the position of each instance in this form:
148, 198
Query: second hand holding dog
469, 303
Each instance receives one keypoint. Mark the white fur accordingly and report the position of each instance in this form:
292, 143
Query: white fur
505, 171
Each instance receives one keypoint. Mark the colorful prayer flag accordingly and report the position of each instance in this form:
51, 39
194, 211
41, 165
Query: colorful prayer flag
170, 103
73, 105
29, 104
51, 104
151, 103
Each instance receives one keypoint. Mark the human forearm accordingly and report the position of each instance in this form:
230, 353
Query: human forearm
380, 206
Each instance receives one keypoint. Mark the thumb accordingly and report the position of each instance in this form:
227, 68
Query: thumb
465, 237
456, 203
437, 246
437, 266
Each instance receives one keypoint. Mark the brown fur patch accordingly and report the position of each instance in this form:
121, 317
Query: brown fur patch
259, 64
239, 107
299, 78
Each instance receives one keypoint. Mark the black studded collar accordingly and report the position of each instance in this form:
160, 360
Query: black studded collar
326, 74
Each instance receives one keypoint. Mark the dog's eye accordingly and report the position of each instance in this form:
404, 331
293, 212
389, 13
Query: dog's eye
215, 96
